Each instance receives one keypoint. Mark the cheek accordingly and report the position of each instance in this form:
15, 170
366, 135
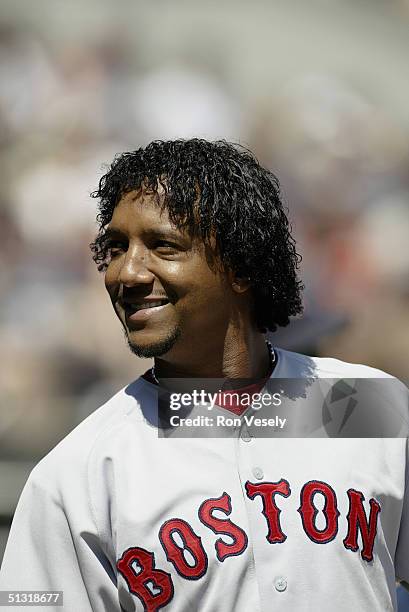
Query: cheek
111, 280
207, 298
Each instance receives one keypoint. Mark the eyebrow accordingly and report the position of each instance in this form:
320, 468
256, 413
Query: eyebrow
112, 232
166, 231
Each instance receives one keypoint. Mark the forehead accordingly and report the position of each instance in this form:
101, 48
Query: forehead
139, 209
141, 213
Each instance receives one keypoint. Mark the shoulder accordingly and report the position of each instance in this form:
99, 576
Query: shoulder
66, 464
297, 365
359, 400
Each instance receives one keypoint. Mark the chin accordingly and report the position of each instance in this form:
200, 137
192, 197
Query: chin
154, 347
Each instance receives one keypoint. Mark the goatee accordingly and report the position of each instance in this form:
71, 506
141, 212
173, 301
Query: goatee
155, 349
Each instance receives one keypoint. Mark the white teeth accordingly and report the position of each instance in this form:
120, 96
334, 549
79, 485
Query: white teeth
147, 305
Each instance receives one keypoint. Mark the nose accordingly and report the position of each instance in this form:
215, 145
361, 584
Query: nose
135, 270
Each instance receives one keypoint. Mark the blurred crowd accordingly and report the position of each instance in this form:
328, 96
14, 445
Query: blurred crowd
65, 110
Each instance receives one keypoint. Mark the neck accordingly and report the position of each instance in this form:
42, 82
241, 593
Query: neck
237, 355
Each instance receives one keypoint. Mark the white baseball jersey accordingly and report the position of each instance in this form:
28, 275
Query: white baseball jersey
119, 518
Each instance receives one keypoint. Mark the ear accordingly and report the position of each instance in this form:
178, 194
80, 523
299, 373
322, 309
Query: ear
240, 284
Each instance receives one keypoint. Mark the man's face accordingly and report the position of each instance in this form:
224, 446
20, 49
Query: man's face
165, 294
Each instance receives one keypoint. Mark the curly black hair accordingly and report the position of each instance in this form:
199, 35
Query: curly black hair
215, 189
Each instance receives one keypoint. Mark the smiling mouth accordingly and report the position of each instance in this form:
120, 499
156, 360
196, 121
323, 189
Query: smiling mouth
132, 308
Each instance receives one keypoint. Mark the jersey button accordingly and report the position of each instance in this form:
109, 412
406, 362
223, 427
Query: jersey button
280, 584
258, 473
245, 436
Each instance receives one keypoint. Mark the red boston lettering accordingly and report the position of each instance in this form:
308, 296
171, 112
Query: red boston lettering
309, 512
357, 519
152, 586
225, 526
176, 555
268, 491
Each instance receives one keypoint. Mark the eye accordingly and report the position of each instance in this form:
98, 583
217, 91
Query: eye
115, 247
164, 246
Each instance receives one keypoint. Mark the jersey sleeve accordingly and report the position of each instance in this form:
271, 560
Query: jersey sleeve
402, 549
46, 551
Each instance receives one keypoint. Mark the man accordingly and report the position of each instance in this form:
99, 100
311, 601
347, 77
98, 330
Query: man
128, 514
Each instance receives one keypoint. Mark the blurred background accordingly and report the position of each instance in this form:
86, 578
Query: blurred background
318, 90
